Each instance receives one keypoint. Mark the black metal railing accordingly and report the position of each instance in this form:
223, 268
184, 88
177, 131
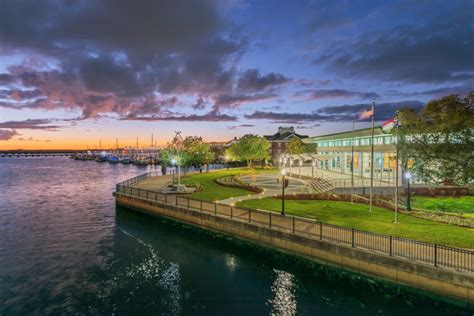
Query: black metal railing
409, 249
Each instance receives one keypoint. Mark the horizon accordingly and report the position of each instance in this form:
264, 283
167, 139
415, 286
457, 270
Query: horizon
71, 76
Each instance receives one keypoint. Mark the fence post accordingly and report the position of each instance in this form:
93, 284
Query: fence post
293, 224
321, 230
147, 194
250, 219
391, 247
201, 206
270, 219
436, 255
215, 208
231, 212
166, 198
188, 202
353, 243
176, 199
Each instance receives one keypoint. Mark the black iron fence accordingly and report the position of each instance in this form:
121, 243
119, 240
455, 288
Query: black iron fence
409, 249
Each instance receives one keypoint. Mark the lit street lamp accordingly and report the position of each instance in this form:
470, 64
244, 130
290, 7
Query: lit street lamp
173, 162
408, 177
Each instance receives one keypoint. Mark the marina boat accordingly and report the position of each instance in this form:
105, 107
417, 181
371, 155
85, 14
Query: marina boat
101, 158
125, 160
114, 159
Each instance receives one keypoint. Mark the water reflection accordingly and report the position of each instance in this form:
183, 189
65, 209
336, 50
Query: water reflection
163, 274
64, 249
230, 262
283, 302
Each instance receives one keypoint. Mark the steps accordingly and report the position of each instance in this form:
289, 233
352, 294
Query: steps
320, 185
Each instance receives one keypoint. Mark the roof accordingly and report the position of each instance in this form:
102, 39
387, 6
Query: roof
348, 134
284, 136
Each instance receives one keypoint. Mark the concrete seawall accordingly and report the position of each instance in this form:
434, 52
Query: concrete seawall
452, 284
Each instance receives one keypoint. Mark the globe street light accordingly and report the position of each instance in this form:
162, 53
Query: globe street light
173, 163
408, 177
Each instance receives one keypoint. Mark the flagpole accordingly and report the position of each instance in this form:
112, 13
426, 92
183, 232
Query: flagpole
396, 172
372, 156
352, 163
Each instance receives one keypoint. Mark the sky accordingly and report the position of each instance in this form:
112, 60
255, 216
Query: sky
74, 74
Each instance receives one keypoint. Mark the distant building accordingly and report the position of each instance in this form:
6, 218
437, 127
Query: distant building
337, 152
279, 141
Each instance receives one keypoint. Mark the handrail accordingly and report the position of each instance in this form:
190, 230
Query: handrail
405, 248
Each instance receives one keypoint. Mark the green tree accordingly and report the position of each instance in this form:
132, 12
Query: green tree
196, 151
249, 148
295, 146
192, 151
440, 140
167, 155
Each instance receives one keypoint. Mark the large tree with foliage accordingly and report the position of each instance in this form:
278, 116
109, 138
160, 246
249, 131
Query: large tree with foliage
295, 146
193, 151
196, 151
249, 148
440, 140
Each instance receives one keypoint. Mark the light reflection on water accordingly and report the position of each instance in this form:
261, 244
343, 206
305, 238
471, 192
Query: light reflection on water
284, 302
64, 249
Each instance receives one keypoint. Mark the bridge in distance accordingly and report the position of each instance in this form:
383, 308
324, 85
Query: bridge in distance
39, 153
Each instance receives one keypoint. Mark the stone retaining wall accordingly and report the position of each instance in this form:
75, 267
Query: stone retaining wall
449, 283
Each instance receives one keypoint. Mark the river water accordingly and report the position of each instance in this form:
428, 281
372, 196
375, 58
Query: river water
66, 249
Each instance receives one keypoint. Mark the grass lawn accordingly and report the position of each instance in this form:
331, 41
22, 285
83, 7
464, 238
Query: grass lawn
380, 220
456, 205
213, 191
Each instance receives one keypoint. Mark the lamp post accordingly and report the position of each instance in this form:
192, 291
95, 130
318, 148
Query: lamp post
173, 162
301, 163
291, 162
283, 172
313, 163
408, 177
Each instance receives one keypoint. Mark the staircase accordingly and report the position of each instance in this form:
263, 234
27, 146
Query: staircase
320, 185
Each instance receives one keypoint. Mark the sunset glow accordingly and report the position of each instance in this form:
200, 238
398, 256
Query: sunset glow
71, 76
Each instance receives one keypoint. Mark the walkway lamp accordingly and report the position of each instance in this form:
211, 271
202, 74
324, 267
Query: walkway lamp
173, 163
283, 186
408, 177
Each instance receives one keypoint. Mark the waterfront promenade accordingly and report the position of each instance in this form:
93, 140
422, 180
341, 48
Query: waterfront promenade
406, 255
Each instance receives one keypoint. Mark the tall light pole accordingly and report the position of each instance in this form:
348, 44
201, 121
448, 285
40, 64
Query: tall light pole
408, 177
178, 142
173, 162
283, 184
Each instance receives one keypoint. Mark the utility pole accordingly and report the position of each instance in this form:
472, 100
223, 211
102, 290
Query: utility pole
372, 157
396, 170
352, 163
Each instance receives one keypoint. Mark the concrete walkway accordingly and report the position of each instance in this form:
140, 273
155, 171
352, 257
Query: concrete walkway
271, 185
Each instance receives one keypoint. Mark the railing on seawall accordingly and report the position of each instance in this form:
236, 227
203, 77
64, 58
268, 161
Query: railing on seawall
413, 250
